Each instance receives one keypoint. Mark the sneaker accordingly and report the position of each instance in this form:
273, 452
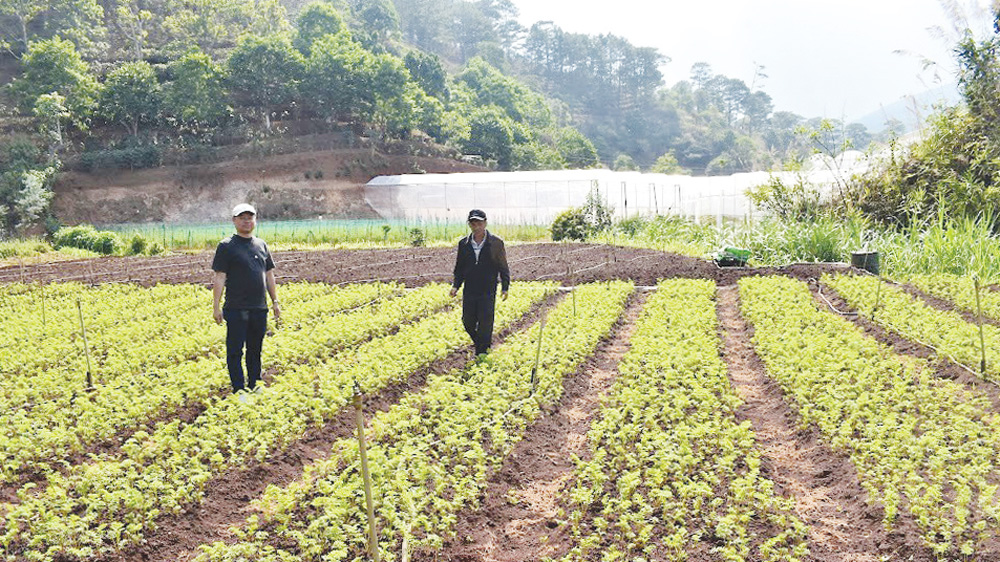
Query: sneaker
242, 397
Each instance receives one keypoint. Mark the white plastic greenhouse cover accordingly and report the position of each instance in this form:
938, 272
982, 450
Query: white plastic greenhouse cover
536, 197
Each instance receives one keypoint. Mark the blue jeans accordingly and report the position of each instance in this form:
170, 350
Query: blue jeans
244, 326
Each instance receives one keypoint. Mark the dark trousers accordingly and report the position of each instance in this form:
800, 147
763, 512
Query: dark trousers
244, 326
477, 315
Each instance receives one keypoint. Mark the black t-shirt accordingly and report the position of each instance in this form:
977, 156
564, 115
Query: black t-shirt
244, 261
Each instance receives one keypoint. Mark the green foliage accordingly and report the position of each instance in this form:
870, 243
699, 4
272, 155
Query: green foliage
535, 155
340, 78
491, 135
667, 164
488, 86
570, 224
582, 223
576, 150
215, 26
798, 201
316, 20
264, 73
129, 157
194, 98
54, 65
131, 96
625, 163
23, 22
50, 111
24, 177
88, 238
417, 237
427, 70
378, 23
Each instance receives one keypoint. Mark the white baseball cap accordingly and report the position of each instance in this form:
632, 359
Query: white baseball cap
244, 208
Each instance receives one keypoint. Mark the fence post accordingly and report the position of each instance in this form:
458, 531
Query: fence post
359, 414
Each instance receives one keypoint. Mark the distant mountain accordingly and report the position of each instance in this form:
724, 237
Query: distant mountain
911, 111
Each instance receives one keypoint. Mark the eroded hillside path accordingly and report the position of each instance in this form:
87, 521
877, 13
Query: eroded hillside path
823, 484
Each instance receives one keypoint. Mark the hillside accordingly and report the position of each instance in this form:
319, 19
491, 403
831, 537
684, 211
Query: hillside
278, 185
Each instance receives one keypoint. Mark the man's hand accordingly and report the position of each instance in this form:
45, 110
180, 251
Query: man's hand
453, 292
277, 311
217, 314
503, 295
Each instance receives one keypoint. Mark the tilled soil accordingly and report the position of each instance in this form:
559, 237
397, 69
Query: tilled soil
569, 264
518, 517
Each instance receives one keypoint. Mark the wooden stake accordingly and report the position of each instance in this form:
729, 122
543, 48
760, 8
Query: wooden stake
86, 348
372, 538
538, 358
878, 296
44, 330
979, 320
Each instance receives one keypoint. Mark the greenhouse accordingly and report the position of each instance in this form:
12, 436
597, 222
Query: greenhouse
536, 197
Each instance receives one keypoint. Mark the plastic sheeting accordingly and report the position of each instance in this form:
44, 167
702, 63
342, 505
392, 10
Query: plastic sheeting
536, 197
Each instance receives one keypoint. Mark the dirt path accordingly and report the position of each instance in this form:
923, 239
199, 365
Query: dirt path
227, 500
517, 520
823, 484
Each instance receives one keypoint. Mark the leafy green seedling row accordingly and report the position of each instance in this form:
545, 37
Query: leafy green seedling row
113, 503
429, 455
959, 290
920, 443
670, 467
913, 319
138, 331
36, 440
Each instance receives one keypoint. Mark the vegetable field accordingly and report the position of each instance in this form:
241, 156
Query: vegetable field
636, 406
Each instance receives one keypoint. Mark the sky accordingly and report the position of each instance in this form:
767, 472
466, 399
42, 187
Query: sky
839, 59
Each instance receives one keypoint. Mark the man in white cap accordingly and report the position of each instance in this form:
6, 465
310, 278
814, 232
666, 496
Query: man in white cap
481, 260
244, 269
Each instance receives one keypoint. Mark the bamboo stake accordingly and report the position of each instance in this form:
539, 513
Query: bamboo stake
979, 320
372, 538
86, 348
538, 358
878, 296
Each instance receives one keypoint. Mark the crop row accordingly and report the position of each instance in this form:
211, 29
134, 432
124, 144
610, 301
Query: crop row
912, 318
961, 291
669, 466
920, 443
111, 503
38, 438
431, 453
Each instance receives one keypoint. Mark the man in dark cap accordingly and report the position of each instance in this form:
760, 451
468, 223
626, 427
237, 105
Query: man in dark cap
481, 259
244, 270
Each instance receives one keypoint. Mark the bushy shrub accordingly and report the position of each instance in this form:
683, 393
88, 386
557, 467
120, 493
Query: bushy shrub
132, 158
631, 226
417, 237
88, 238
571, 224
138, 245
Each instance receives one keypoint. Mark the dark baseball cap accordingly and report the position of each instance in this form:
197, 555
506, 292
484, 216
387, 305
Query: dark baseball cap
477, 215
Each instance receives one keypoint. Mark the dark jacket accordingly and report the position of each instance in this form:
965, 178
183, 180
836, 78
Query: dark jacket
480, 276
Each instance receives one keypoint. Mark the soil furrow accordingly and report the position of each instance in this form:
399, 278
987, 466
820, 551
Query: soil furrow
517, 518
227, 500
823, 484
186, 413
942, 366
